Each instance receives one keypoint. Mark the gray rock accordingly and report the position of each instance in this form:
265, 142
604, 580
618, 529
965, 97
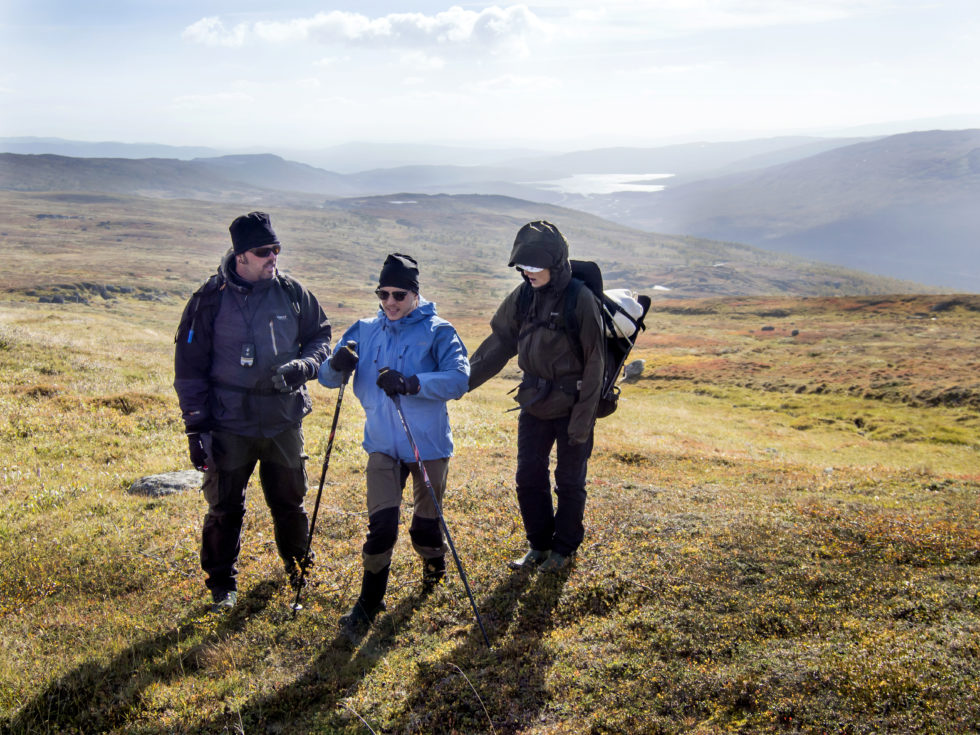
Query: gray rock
167, 483
634, 369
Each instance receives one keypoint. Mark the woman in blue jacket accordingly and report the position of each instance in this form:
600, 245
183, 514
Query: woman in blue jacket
408, 351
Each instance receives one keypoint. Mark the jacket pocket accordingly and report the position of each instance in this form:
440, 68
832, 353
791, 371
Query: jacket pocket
227, 407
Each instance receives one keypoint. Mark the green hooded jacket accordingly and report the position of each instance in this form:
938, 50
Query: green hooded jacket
543, 349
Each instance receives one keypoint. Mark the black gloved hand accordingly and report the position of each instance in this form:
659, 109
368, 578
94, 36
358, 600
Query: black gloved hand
393, 382
199, 449
344, 359
292, 375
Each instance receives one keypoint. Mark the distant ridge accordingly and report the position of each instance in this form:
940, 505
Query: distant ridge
103, 149
227, 178
904, 206
901, 206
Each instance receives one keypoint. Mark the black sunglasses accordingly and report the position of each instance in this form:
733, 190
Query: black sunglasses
398, 296
266, 251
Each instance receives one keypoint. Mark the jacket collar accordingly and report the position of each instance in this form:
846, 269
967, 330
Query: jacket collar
420, 313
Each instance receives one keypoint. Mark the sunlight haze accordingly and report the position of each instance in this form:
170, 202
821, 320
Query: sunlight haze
543, 74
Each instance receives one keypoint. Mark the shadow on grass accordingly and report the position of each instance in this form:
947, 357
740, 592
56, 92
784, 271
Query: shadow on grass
472, 689
341, 665
310, 704
99, 696
109, 696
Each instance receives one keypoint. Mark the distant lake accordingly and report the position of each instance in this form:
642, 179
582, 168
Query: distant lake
604, 183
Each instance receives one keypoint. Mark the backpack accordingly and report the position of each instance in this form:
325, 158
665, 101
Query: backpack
622, 320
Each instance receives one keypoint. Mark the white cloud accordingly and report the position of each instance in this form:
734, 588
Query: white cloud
212, 32
664, 18
493, 28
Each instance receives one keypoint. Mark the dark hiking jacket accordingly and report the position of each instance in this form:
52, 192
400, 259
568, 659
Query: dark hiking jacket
557, 381
280, 319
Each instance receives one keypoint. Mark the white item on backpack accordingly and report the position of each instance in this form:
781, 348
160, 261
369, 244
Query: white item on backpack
629, 311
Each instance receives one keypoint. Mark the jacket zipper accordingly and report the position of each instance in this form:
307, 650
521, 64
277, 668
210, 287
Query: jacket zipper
272, 332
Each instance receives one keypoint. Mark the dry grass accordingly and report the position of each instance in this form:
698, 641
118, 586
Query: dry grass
782, 530
741, 571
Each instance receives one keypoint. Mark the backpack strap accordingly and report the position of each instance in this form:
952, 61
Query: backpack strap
292, 287
204, 302
524, 298
571, 320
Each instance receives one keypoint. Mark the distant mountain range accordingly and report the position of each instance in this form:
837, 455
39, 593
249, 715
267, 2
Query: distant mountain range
901, 206
907, 206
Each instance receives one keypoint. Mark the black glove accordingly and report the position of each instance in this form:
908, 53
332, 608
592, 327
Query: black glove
292, 375
344, 359
393, 382
199, 449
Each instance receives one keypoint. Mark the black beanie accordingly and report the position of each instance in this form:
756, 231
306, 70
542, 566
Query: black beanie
252, 230
400, 271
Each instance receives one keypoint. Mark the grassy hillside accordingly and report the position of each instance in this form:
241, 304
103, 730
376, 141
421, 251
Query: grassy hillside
64, 243
782, 529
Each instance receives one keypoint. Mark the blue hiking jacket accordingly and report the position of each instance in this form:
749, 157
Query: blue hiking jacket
420, 344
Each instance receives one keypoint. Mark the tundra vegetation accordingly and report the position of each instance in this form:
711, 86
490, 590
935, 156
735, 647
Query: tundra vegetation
783, 529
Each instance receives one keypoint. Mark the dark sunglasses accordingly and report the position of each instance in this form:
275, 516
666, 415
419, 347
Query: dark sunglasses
398, 296
266, 251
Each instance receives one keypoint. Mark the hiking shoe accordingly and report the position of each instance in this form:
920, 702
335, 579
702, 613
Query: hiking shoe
294, 575
296, 570
530, 560
223, 600
555, 563
358, 620
433, 572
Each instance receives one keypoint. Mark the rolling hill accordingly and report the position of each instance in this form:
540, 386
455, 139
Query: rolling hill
903, 206
685, 266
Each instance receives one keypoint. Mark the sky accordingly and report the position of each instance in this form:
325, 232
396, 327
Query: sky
552, 74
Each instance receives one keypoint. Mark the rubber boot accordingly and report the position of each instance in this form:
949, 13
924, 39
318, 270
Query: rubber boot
369, 603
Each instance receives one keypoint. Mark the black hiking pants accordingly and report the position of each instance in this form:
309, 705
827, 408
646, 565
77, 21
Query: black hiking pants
549, 526
282, 474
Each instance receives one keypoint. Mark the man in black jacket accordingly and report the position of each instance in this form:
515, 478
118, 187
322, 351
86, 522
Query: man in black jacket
248, 341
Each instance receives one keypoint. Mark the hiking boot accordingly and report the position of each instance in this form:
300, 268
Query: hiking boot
223, 600
433, 572
359, 619
555, 563
530, 560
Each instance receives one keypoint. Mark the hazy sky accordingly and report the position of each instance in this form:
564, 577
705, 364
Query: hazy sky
306, 74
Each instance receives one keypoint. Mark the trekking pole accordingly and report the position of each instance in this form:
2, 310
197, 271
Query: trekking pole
425, 477
323, 474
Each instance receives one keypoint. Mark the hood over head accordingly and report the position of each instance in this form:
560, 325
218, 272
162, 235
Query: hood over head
539, 244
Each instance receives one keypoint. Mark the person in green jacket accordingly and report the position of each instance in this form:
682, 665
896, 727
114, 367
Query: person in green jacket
558, 394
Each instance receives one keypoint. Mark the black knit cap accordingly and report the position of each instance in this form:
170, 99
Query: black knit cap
400, 271
252, 230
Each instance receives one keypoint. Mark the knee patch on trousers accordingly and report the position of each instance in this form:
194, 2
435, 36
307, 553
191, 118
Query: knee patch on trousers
382, 531
426, 532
